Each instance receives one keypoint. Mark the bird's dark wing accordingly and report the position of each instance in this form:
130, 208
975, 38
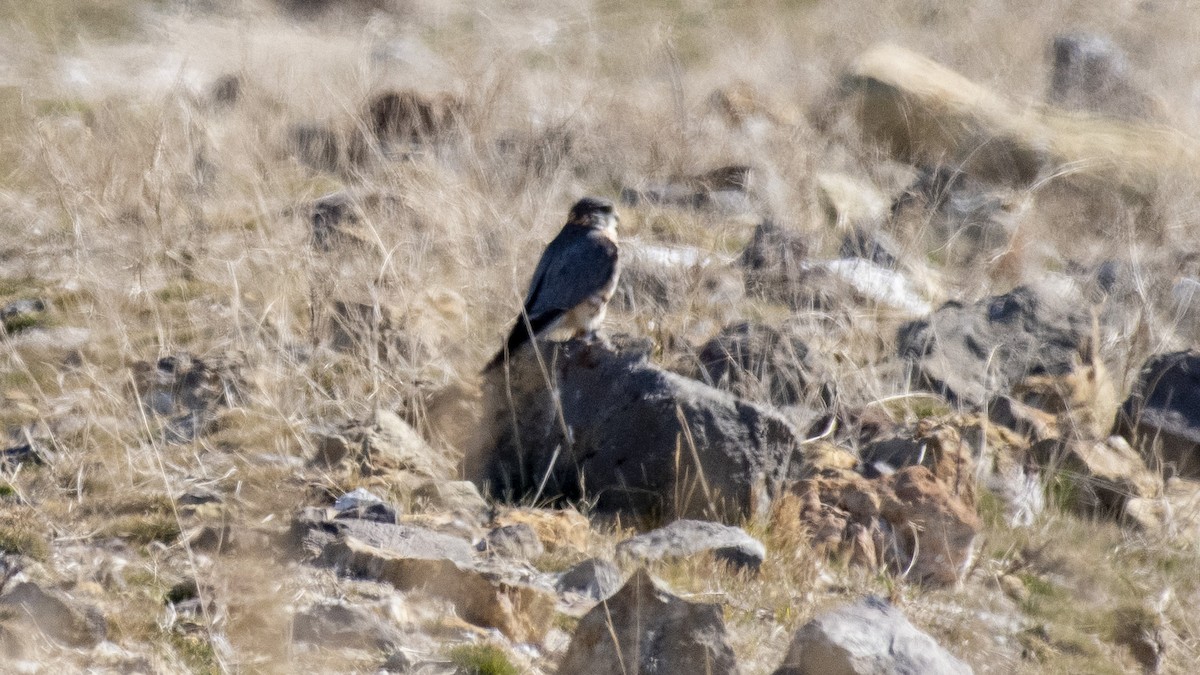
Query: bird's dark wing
574, 267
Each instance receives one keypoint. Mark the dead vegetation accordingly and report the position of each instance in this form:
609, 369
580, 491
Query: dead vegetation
157, 211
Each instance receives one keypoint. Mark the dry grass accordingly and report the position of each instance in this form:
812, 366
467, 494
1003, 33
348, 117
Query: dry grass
155, 221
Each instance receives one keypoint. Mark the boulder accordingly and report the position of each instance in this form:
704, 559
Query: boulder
1161, 418
1091, 74
925, 114
512, 600
595, 578
408, 116
187, 392
1101, 475
513, 541
909, 520
644, 628
870, 637
632, 437
379, 445
970, 353
686, 538
337, 625
55, 614
763, 363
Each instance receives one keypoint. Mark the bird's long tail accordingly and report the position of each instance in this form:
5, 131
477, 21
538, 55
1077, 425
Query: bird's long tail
520, 335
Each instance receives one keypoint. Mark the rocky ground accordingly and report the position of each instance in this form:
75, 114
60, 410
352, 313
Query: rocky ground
903, 373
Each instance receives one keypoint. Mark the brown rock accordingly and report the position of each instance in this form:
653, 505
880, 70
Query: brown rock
558, 529
456, 496
926, 114
936, 531
384, 444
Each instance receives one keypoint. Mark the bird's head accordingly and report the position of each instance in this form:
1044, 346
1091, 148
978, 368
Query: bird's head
594, 212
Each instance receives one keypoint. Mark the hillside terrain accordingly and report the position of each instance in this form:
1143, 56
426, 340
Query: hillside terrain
906, 343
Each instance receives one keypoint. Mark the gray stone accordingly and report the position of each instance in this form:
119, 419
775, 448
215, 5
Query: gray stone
972, 352
639, 440
188, 392
644, 628
55, 614
344, 626
513, 541
381, 444
686, 538
515, 601
763, 363
1092, 74
457, 496
595, 578
26, 453
868, 638
773, 264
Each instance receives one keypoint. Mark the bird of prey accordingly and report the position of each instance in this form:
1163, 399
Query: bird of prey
574, 279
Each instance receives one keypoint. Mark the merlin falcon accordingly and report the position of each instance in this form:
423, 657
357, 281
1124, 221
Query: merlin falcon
574, 280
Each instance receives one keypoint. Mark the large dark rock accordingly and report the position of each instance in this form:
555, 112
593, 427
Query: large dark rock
971, 352
774, 264
645, 629
867, 638
763, 363
595, 578
634, 438
1162, 416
